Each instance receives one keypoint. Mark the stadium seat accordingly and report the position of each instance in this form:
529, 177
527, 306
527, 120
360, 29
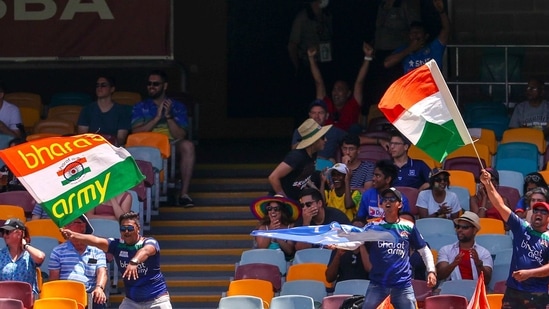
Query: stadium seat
312, 255
435, 226
44, 227
8, 303
55, 302
512, 179
464, 288
263, 271
468, 164
446, 301
494, 242
353, 287
497, 123
334, 301
517, 156
308, 271
126, 97
240, 302
65, 112
525, 135
269, 256
411, 194
512, 194
312, 288
463, 196
463, 179
46, 245
491, 226
66, 289
486, 137
55, 126
17, 290
372, 153
22, 199
12, 211
252, 287
70, 98
418, 154
469, 152
292, 302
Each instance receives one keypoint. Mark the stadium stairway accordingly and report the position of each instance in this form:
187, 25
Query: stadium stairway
200, 245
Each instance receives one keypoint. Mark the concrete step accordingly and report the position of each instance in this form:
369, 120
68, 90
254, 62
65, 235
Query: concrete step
204, 241
195, 227
220, 212
230, 184
225, 198
233, 170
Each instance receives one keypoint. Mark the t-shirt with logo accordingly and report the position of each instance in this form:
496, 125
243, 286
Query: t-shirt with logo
370, 205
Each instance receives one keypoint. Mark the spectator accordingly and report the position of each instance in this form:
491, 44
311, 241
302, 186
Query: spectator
480, 203
344, 103
391, 270
275, 212
315, 212
138, 260
113, 208
534, 112
438, 202
411, 172
528, 276
9, 181
362, 172
38, 212
348, 265
370, 206
19, 259
74, 260
105, 116
419, 51
10, 116
295, 171
533, 196
465, 259
419, 270
531, 181
167, 116
339, 194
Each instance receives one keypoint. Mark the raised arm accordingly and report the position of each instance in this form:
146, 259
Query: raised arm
88, 239
317, 76
358, 88
496, 199
444, 20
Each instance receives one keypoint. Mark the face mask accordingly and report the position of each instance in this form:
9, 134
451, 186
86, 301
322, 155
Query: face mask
324, 3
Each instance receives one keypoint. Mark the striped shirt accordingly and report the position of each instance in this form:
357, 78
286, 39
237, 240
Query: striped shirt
73, 266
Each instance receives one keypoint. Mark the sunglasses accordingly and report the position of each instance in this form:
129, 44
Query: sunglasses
540, 211
390, 199
271, 208
6, 232
155, 84
439, 179
532, 178
463, 227
127, 228
308, 204
102, 85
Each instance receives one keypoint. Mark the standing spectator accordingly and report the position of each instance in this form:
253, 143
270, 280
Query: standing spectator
419, 50
275, 212
465, 259
138, 260
534, 112
529, 274
391, 270
438, 202
19, 259
295, 171
167, 116
10, 116
411, 172
344, 103
74, 260
370, 206
339, 194
362, 172
105, 116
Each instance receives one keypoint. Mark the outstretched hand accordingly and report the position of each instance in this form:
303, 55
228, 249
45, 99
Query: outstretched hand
367, 49
311, 51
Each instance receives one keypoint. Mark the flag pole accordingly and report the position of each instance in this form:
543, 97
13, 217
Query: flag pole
478, 156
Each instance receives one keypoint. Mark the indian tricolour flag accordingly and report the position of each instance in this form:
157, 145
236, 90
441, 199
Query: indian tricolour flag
68, 176
420, 106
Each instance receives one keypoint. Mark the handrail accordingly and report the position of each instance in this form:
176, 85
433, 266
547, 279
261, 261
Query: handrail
455, 81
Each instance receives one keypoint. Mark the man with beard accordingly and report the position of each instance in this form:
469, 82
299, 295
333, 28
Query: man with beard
465, 259
385, 173
529, 273
167, 116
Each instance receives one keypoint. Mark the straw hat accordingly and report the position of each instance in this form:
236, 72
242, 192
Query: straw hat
259, 207
310, 132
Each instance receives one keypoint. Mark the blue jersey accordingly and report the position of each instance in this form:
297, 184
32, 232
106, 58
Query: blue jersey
391, 259
150, 284
412, 174
530, 250
369, 206
434, 51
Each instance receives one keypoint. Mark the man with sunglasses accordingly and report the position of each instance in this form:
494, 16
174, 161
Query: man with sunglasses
138, 260
529, 273
465, 259
75, 260
161, 114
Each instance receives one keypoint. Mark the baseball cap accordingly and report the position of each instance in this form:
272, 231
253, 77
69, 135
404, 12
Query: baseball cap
393, 191
13, 224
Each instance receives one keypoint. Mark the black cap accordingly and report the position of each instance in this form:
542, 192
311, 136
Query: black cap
393, 191
13, 224
319, 102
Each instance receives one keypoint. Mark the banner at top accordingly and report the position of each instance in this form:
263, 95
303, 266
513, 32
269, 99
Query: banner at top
94, 28
69, 176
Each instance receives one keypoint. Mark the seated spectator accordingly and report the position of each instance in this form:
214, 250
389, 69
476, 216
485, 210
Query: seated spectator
167, 116
421, 49
275, 212
437, 201
531, 181
19, 259
419, 270
74, 260
10, 116
362, 172
315, 212
534, 112
38, 212
465, 259
9, 182
338, 193
348, 264
385, 173
531, 197
105, 116
113, 208
294, 173
480, 203
411, 172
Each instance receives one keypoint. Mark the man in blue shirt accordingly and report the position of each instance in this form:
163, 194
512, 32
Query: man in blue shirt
411, 172
529, 271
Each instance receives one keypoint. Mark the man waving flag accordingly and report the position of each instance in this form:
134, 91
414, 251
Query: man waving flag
70, 175
420, 106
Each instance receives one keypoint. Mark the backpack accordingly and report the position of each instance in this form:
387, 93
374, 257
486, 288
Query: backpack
353, 302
